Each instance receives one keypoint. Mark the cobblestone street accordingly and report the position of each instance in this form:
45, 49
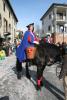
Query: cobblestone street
13, 89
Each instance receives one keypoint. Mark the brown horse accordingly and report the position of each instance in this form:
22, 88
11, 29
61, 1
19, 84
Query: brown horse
47, 54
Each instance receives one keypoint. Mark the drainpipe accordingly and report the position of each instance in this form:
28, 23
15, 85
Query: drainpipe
55, 17
55, 24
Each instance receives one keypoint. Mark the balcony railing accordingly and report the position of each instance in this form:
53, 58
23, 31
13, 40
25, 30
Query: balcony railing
60, 18
58, 30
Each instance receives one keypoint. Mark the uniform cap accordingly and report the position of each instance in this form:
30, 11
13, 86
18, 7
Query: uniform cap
30, 25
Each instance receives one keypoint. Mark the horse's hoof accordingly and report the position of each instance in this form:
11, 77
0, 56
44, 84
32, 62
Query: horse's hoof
38, 88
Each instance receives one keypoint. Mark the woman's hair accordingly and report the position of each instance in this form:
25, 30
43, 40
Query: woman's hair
33, 29
29, 28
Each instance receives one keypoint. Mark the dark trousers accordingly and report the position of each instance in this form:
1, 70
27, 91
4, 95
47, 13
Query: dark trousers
18, 66
27, 68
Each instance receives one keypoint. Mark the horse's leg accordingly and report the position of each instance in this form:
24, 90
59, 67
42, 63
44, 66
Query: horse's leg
62, 68
43, 67
19, 69
27, 69
61, 72
45, 63
39, 77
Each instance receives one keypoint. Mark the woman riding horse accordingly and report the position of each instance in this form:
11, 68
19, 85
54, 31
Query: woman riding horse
27, 41
45, 52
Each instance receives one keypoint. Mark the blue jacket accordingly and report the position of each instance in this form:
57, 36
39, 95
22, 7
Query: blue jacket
20, 50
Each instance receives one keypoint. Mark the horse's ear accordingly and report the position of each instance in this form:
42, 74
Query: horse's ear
42, 41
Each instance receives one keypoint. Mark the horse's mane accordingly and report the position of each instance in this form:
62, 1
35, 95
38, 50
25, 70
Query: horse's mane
47, 44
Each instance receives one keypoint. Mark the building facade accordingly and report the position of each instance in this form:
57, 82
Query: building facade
54, 21
8, 19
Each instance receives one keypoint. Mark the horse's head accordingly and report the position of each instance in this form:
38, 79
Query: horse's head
48, 53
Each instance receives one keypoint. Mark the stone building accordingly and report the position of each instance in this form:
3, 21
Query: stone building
8, 20
54, 21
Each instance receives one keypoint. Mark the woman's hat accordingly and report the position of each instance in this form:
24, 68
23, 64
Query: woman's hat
32, 24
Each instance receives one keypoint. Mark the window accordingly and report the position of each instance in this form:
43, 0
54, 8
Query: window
42, 22
0, 20
14, 22
9, 14
49, 16
49, 28
14, 32
42, 31
61, 28
10, 28
5, 25
53, 13
4, 6
60, 16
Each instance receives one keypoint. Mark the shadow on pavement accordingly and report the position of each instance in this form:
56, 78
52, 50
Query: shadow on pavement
31, 72
54, 90
4, 98
14, 69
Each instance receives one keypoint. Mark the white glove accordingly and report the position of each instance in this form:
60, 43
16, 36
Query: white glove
36, 42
